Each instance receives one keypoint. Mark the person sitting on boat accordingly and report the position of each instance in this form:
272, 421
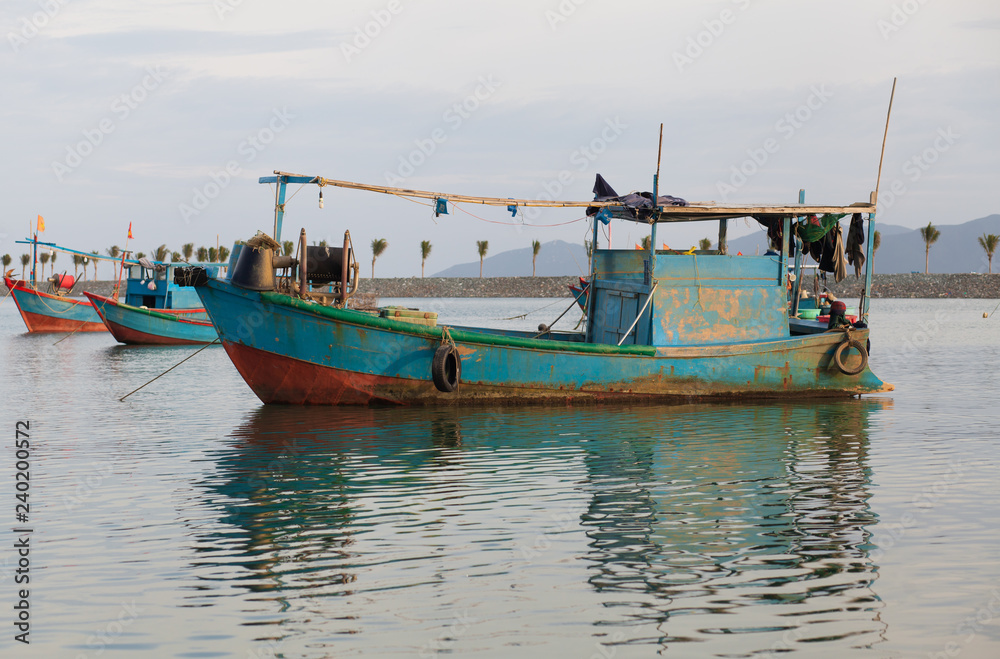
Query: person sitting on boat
837, 319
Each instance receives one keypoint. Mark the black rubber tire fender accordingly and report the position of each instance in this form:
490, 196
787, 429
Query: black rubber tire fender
838, 356
446, 368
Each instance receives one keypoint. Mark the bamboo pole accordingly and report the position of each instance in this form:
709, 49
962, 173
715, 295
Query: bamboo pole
885, 135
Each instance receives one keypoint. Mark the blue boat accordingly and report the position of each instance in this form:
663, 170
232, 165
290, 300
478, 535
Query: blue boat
155, 310
52, 310
661, 325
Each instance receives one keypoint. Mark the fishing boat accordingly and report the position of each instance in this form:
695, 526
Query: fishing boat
51, 310
661, 325
155, 311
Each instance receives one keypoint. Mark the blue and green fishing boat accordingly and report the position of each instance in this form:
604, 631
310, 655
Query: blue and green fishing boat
660, 325
155, 310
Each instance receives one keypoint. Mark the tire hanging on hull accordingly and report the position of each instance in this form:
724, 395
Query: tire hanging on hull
838, 357
446, 368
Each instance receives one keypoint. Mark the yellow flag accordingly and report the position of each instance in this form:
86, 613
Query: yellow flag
41, 223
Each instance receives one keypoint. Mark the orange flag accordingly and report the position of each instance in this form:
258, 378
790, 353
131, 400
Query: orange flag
130, 231
41, 223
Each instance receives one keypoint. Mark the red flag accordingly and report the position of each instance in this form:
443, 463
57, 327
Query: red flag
130, 231
41, 223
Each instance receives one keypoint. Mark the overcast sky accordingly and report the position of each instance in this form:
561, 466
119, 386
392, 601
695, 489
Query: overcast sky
118, 111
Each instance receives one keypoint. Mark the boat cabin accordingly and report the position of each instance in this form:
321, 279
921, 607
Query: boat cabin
705, 297
151, 285
697, 299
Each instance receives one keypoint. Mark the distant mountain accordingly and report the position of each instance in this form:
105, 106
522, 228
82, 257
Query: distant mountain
902, 249
957, 250
557, 258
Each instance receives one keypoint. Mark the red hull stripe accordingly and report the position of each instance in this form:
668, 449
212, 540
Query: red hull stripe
39, 323
278, 379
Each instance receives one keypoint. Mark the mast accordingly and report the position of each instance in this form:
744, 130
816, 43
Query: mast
869, 252
656, 201
279, 205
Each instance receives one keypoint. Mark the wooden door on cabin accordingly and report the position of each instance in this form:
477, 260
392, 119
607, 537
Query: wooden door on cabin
620, 309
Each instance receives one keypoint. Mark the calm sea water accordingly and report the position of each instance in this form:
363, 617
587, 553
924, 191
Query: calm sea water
192, 521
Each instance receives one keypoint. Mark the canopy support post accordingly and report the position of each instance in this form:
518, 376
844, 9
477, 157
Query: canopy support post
799, 258
592, 287
279, 206
869, 268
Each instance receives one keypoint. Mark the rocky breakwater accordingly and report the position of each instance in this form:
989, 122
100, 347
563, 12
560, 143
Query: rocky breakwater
918, 285
468, 287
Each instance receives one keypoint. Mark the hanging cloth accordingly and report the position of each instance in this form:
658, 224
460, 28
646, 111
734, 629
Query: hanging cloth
775, 233
816, 250
812, 228
855, 239
839, 263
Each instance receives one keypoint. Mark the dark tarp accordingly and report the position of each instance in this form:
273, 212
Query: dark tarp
636, 206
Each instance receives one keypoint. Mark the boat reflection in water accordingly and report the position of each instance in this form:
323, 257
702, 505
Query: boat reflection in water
723, 529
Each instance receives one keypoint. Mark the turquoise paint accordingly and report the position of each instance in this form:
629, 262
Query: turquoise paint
160, 324
701, 299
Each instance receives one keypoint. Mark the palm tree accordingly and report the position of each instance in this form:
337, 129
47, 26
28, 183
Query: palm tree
425, 251
25, 260
378, 246
705, 244
52, 259
324, 243
44, 257
175, 256
481, 247
930, 235
287, 247
113, 251
535, 248
223, 254
213, 254
77, 262
140, 255
645, 243
202, 254
95, 253
877, 241
5, 259
161, 253
187, 249
987, 241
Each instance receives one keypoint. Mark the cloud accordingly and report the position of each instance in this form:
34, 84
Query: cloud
554, 90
